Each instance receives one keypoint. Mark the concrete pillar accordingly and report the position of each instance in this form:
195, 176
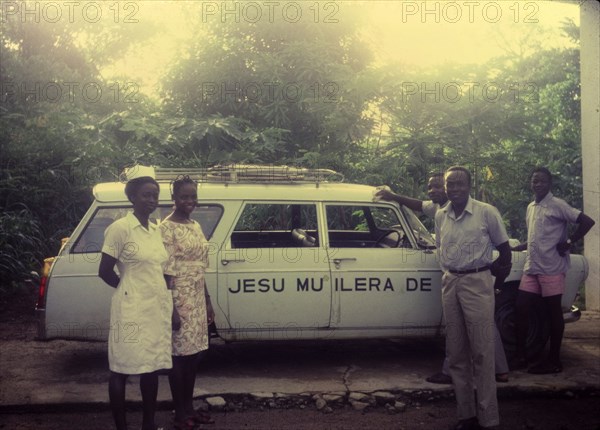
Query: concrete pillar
590, 142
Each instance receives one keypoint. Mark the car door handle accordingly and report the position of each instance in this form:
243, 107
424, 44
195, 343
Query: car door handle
226, 262
338, 261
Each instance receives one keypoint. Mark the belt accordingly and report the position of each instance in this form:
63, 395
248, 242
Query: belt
467, 271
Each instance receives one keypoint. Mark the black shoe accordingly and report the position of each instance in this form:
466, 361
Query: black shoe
468, 424
517, 363
439, 378
545, 368
502, 377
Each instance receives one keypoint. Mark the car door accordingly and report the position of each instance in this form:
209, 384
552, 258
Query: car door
275, 273
380, 281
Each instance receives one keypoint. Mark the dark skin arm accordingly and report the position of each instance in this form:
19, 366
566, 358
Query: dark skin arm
414, 204
175, 318
584, 224
106, 271
520, 247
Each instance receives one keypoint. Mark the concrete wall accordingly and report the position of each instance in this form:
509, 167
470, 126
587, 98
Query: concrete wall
590, 142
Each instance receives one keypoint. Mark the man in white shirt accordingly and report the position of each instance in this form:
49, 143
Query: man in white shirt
467, 231
437, 194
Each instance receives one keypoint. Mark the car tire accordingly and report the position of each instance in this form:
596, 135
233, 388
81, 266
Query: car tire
505, 315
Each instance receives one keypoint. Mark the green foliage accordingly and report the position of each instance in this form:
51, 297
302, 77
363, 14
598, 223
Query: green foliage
216, 139
294, 93
529, 116
301, 94
264, 217
20, 245
56, 140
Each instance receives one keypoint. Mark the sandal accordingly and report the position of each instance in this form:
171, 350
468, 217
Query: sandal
202, 418
545, 368
186, 424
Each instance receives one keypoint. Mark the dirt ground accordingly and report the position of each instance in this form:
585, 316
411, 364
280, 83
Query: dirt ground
17, 307
516, 414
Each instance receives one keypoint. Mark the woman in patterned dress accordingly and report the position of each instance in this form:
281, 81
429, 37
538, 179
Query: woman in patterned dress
141, 307
188, 257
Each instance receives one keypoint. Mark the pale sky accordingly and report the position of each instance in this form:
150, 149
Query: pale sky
411, 32
437, 32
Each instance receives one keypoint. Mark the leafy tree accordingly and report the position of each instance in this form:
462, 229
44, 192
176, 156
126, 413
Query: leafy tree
53, 134
271, 92
288, 92
517, 111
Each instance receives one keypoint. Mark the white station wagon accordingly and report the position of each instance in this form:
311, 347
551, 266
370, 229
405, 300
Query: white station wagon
294, 254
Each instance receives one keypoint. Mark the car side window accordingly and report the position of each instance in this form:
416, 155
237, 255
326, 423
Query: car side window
92, 237
351, 226
272, 225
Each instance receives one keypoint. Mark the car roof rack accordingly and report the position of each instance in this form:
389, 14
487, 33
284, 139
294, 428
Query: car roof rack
236, 173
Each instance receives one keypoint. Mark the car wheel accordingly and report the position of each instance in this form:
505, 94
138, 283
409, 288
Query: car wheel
505, 315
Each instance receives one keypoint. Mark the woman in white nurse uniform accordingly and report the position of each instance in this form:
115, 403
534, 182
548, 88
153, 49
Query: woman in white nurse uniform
141, 309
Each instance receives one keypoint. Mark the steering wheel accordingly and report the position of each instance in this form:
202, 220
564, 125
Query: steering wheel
390, 239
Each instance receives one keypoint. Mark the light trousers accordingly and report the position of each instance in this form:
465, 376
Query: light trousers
468, 302
501, 364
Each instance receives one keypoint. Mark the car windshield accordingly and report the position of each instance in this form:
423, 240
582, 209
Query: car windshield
425, 240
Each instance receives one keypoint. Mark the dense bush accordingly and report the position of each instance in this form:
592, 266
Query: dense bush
354, 116
20, 245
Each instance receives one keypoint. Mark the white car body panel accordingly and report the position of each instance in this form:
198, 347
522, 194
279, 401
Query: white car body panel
320, 292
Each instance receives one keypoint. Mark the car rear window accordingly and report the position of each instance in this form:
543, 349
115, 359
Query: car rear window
92, 237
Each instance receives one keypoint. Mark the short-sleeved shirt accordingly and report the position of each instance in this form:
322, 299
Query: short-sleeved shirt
429, 208
140, 252
547, 223
467, 242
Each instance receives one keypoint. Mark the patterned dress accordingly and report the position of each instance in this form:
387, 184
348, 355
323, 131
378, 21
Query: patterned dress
188, 257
